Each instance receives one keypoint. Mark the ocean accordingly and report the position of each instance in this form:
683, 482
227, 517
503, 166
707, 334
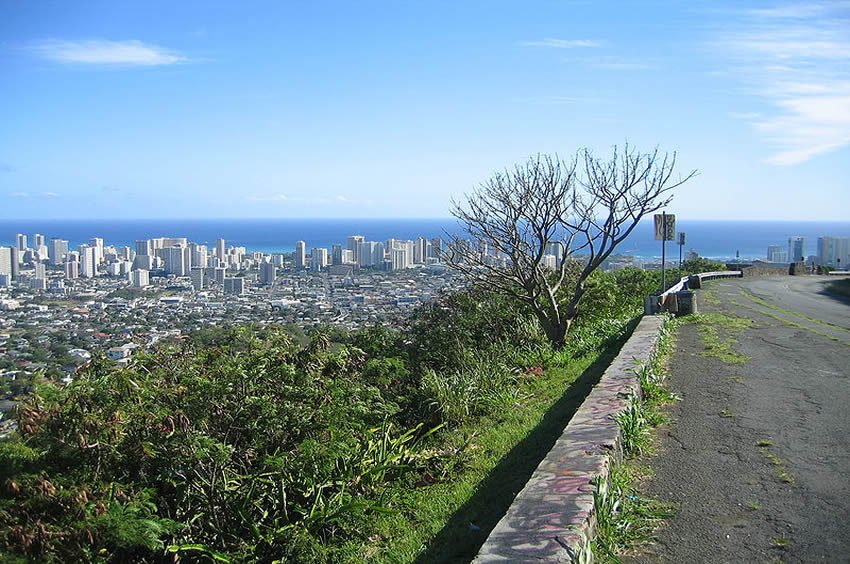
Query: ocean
721, 240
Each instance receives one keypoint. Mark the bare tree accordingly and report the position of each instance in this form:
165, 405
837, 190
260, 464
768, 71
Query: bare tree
578, 211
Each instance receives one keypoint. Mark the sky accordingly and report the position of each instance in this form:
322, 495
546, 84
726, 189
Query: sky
162, 109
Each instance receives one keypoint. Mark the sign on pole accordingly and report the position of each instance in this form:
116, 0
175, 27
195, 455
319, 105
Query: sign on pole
682, 237
665, 227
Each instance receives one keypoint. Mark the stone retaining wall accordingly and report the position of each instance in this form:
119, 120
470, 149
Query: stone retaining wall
552, 518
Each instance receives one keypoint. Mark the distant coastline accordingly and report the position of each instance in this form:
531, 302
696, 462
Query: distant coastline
717, 239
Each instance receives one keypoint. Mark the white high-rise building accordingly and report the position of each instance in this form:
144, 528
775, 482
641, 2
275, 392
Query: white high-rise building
140, 278
97, 243
353, 244
6, 261
58, 249
319, 259
777, 253
37, 240
178, 260
21, 241
219, 249
420, 250
300, 258
72, 270
88, 261
834, 251
371, 253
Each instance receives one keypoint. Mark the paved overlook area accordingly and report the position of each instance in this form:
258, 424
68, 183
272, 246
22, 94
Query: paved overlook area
758, 454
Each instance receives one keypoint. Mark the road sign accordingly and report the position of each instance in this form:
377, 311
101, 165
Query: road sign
665, 227
681, 238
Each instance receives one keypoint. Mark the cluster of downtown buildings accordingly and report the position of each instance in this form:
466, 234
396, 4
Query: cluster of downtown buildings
831, 251
207, 267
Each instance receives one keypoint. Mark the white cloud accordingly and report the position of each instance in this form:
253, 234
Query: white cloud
50, 194
794, 58
20, 194
564, 43
103, 52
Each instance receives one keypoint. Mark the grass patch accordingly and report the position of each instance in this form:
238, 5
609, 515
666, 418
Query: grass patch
624, 518
726, 412
719, 334
790, 323
781, 542
764, 303
753, 505
449, 519
781, 472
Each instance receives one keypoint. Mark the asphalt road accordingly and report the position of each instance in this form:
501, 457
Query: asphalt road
757, 455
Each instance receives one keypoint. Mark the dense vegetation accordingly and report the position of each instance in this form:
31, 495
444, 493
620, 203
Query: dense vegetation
246, 444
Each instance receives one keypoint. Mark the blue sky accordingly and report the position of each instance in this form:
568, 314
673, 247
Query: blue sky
391, 109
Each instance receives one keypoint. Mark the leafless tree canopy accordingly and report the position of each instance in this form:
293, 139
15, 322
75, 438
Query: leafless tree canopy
578, 210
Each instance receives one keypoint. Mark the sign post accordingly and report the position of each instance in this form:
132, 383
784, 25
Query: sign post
665, 230
681, 240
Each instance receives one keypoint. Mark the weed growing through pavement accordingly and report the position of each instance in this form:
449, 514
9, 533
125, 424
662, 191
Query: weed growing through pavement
726, 412
719, 334
782, 474
753, 505
781, 542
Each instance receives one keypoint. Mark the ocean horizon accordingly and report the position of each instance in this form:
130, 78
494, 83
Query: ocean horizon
716, 239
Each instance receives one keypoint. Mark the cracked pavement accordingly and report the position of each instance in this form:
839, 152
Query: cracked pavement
757, 455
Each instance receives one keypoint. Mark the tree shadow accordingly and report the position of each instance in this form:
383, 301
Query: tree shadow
461, 538
838, 290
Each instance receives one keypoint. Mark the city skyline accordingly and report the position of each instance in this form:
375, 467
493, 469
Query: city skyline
148, 110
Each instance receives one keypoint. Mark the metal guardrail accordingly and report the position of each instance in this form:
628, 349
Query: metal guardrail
680, 285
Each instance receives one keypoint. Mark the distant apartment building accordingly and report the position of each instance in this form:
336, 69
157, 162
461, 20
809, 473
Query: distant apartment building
777, 253
58, 250
319, 259
234, 286
796, 249
268, 273
139, 278
21, 241
6, 261
834, 251
300, 258
88, 261
178, 260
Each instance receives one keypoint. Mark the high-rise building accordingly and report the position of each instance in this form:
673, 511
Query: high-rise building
97, 243
300, 257
21, 240
16, 262
371, 254
336, 254
88, 261
198, 276
72, 270
834, 251
140, 278
268, 273
40, 270
6, 261
219, 249
144, 247
436, 248
37, 240
178, 260
420, 250
777, 253
58, 249
235, 286
319, 259
796, 249
354, 244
